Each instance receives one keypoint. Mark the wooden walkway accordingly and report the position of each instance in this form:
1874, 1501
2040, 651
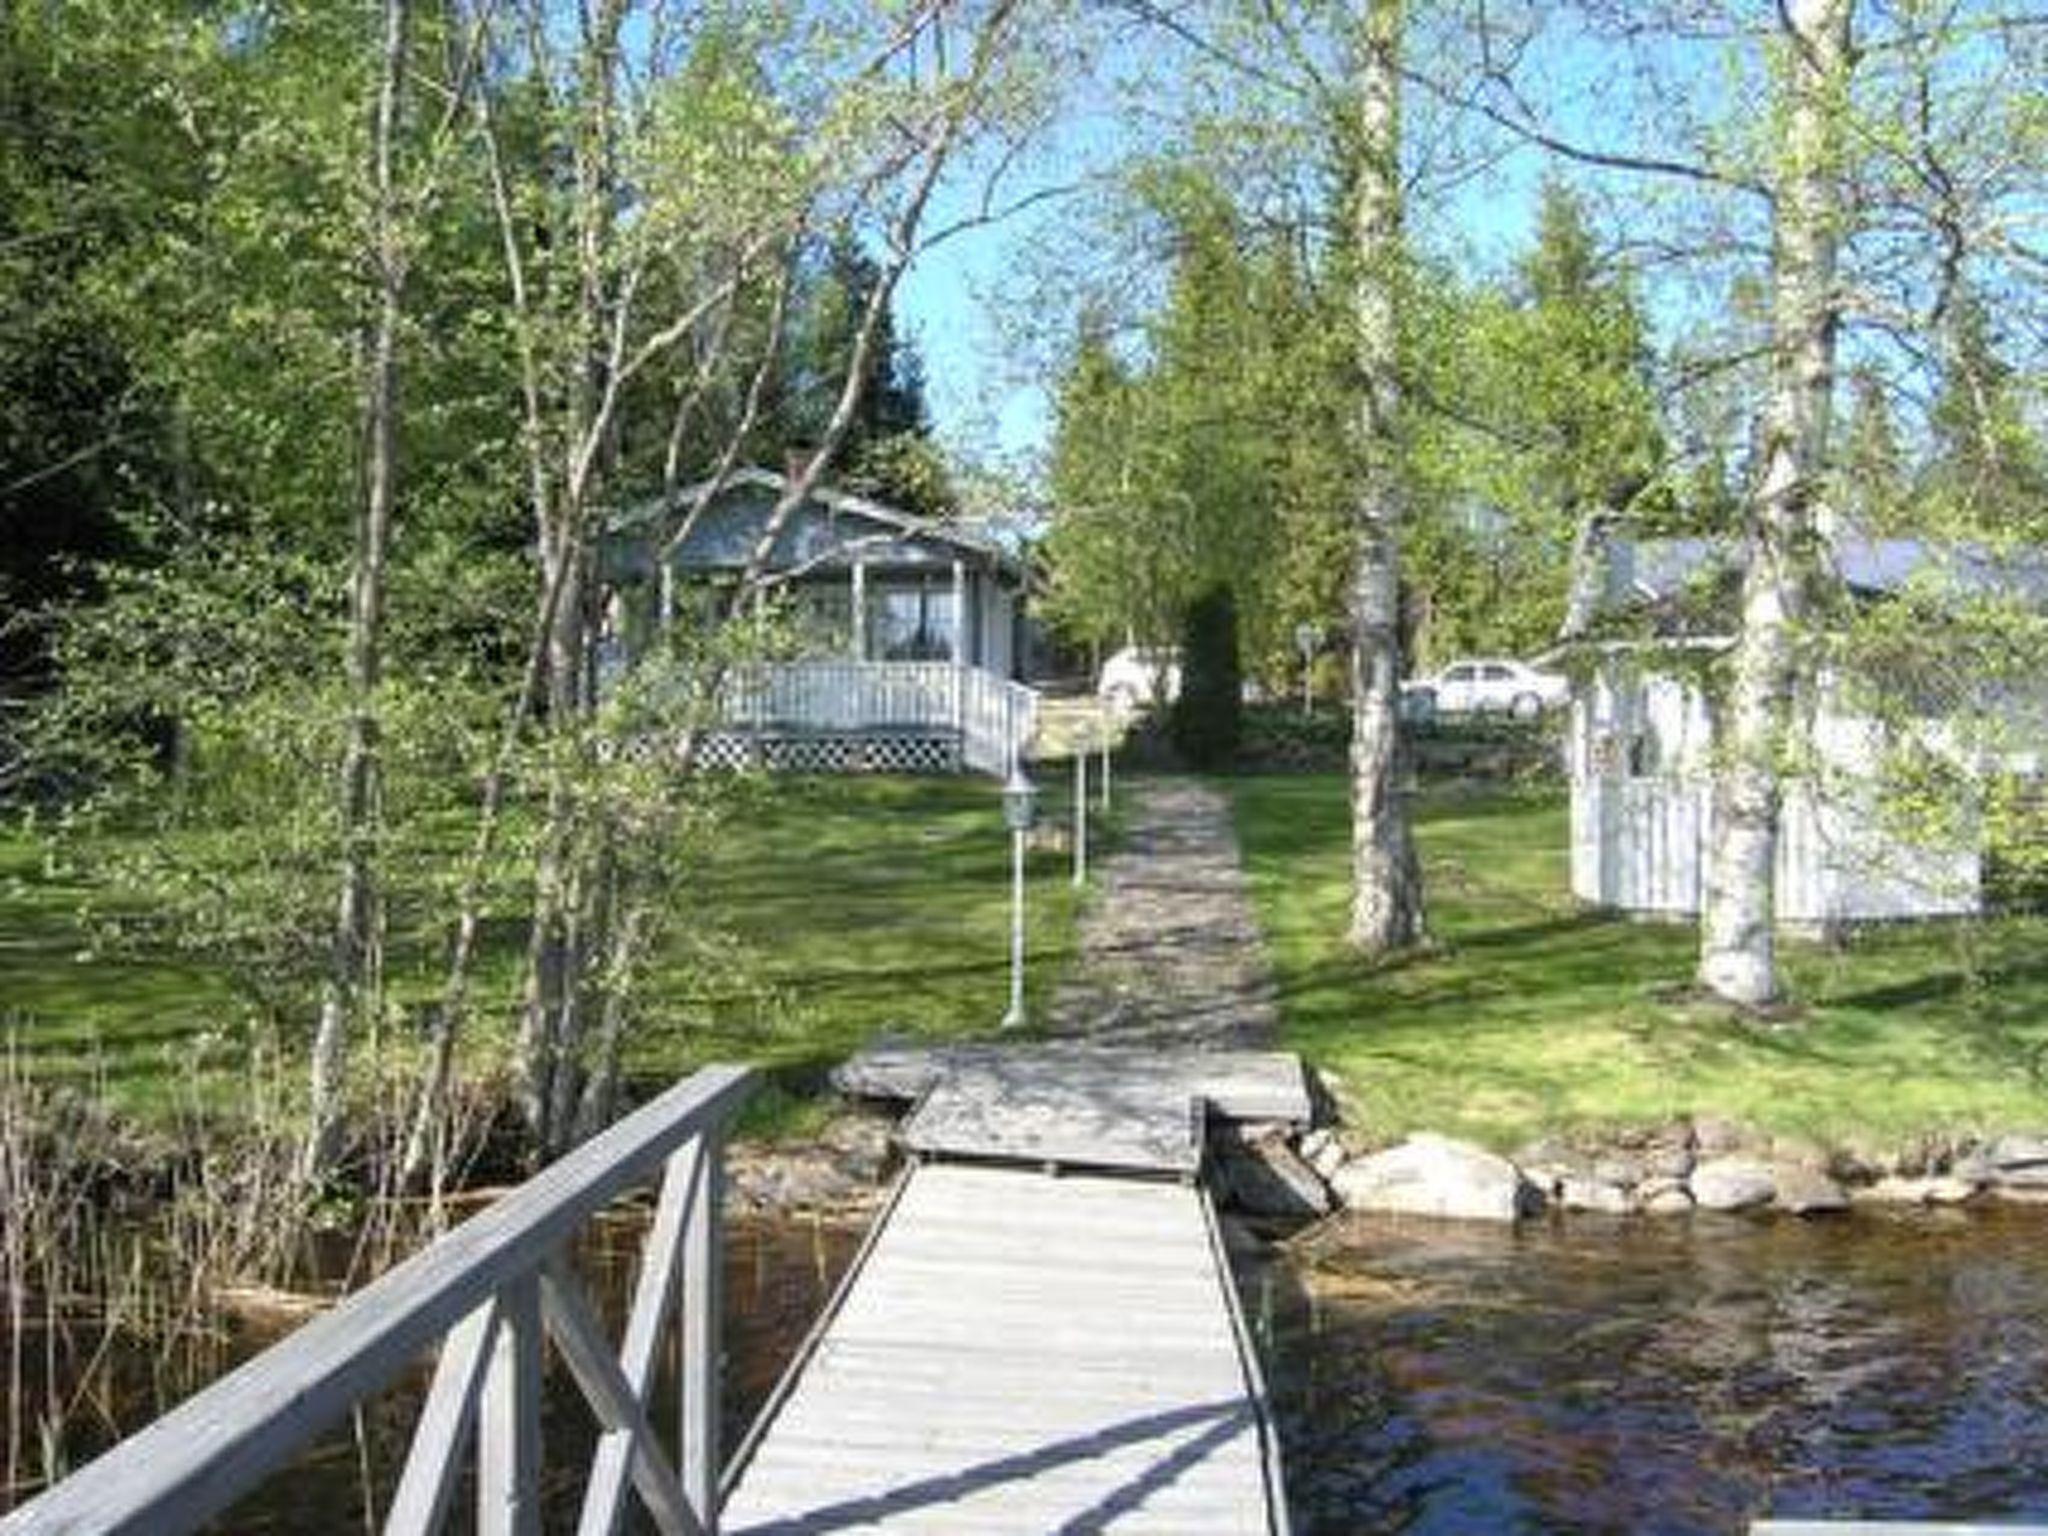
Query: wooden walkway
1078, 1106
1018, 1352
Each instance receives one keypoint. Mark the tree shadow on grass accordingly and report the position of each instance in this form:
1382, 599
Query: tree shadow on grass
1945, 986
843, 981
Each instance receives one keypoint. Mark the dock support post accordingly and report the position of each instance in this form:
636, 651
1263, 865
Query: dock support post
702, 1341
508, 1440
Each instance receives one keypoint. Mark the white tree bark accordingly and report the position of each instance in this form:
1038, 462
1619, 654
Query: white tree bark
1386, 900
1592, 540
1738, 959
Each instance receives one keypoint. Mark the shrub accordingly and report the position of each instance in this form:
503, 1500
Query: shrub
1207, 716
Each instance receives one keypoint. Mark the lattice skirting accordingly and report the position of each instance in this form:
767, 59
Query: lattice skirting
862, 752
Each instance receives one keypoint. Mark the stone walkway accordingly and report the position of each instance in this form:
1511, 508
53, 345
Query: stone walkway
1170, 954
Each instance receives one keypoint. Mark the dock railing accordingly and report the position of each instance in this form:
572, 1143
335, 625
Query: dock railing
492, 1293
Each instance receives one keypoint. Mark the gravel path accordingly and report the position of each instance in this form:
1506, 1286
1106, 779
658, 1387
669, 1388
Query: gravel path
1170, 953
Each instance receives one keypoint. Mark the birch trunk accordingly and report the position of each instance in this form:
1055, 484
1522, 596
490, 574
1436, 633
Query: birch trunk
1386, 902
1738, 959
350, 987
564, 874
1588, 573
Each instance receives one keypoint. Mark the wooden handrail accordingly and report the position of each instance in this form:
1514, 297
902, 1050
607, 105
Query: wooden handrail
483, 1283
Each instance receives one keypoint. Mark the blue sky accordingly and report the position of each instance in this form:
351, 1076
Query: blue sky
1478, 211
977, 402
981, 395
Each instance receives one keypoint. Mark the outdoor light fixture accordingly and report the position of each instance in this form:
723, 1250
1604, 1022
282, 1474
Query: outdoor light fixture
1020, 801
1105, 737
1306, 638
1020, 810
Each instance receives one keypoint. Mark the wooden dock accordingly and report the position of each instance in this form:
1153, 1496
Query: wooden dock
1019, 1352
1077, 1105
1019, 1348
1042, 1333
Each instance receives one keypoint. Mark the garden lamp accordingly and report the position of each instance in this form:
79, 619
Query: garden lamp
1020, 810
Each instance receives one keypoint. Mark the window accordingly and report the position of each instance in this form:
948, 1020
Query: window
1494, 672
1643, 754
822, 618
910, 620
1458, 674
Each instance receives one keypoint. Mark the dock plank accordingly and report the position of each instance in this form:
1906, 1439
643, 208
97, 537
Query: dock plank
1238, 1085
1022, 1353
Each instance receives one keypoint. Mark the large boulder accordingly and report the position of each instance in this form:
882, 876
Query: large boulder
1731, 1184
1664, 1197
1593, 1194
1435, 1176
2018, 1162
1806, 1191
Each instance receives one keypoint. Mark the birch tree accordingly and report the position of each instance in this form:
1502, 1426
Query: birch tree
694, 176
1784, 521
353, 978
1386, 880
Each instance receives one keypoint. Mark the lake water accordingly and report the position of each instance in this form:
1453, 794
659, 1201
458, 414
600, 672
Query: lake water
1662, 1376
1585, 1376
779, 1276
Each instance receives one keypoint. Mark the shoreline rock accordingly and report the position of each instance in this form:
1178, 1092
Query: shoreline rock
1429, 1175
1672, 1169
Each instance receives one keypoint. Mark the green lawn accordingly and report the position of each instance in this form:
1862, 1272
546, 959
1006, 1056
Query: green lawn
138, 1027
1532, 1014
855, 908
824, 911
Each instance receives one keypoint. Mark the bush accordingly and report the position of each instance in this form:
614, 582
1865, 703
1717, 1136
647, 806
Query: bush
1207, 721
1276, 739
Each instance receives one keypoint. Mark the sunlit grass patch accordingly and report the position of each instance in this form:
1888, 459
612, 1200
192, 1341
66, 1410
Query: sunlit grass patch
1530, 1013
815, 915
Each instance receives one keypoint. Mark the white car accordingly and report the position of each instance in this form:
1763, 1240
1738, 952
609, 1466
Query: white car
1135, 678
1486, 685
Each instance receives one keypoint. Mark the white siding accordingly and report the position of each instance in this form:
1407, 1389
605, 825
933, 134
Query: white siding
1637, 840
996, 611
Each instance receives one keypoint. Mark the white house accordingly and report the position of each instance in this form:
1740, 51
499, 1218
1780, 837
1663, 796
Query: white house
1642, 736
907, 629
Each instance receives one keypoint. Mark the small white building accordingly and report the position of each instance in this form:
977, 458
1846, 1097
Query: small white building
1641, 747
906, 629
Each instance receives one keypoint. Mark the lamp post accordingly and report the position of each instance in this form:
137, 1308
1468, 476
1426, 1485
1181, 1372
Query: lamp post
1106, 734
1020, 810
1305, 637
1080, 814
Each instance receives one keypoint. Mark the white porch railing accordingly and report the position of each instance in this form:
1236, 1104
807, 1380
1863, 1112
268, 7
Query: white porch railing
842, 695
993, 716
997, 719
492, 1292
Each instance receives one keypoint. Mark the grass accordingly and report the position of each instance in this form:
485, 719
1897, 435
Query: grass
825, 913
134, 1026
852, 909
1533, 1015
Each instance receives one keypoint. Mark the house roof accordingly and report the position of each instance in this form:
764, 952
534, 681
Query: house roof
1657, 571
843, 503
1669, 594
